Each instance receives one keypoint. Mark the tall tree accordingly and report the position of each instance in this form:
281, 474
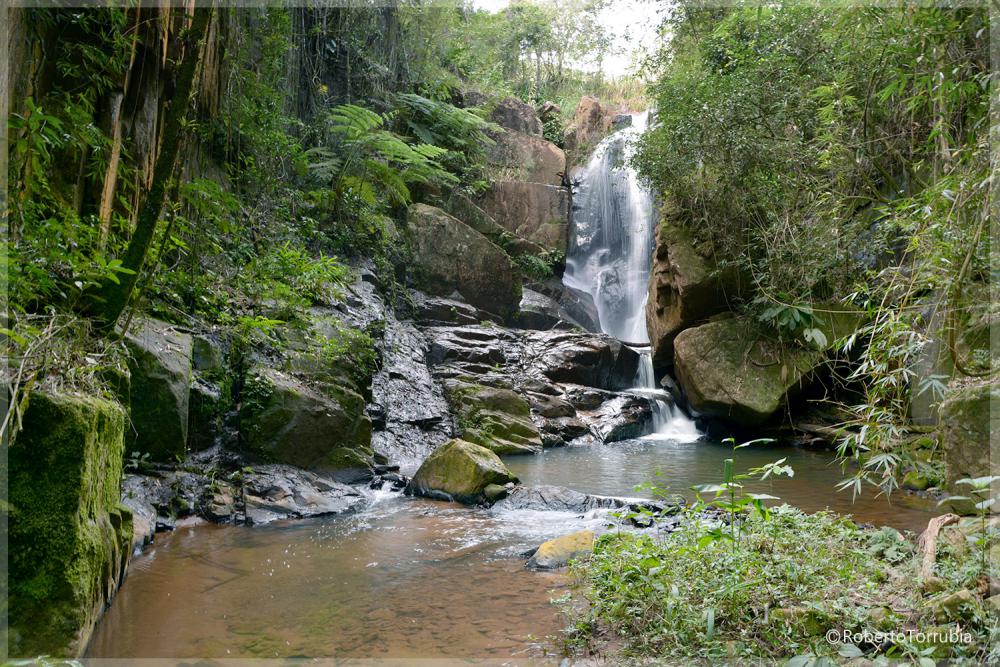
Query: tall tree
112, 297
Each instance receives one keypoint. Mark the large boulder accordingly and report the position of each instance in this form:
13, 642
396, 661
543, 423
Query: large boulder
70, 537
284, 420
450, 257
513, 114
529, 158
592, 120
466, 210
493, 417
684, 288
732, 369
533, 211
460, 471
159, 389
967, 415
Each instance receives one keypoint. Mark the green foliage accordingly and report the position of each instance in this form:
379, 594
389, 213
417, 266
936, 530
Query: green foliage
834, 153
681, 597
351, 351
367, 165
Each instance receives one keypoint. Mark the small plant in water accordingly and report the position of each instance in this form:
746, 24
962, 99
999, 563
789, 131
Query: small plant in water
729, 495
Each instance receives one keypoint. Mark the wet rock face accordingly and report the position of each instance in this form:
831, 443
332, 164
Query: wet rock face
548, 498
536, 212
542, 312
159, 388
416, 417
551, 371
513, 114
592, 360
70, 537
227, 491
450, 257
460, 471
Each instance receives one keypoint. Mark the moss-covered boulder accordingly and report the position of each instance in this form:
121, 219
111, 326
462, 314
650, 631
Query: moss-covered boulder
284, 420
732, 369
70, 536
450, 256
159, 391
493, 417
460, 471
965, 417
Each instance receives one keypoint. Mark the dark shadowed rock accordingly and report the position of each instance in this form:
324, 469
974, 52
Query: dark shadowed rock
284, 420
513, 114
555, 499
542, 313
159, 390
282, 492
622, 417
592, 360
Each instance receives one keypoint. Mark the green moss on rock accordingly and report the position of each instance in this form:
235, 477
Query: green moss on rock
159, 392
284, 420
493, 417
70, 536
461, 471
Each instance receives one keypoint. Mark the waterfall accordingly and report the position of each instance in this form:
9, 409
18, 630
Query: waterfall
610, 256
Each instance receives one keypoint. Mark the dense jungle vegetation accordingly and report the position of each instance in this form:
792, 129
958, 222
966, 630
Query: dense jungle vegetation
838, 159
300, 152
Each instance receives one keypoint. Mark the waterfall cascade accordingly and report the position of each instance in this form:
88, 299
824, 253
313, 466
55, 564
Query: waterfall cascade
610, 256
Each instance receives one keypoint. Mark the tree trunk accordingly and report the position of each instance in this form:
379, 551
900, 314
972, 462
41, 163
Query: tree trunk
112, 297
111, 175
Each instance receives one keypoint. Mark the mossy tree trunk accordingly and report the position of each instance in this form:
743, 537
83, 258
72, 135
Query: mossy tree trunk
112, 297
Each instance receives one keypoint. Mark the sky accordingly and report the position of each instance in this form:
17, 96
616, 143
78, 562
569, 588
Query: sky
634, 22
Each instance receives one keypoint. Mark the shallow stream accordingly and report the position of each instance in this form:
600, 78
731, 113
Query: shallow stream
411, 578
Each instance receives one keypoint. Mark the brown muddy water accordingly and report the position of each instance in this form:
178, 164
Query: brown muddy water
416, 579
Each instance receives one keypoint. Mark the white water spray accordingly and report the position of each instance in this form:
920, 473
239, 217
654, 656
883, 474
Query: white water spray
610, 256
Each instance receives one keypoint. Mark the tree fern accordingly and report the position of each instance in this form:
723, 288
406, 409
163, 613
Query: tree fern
363, 159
